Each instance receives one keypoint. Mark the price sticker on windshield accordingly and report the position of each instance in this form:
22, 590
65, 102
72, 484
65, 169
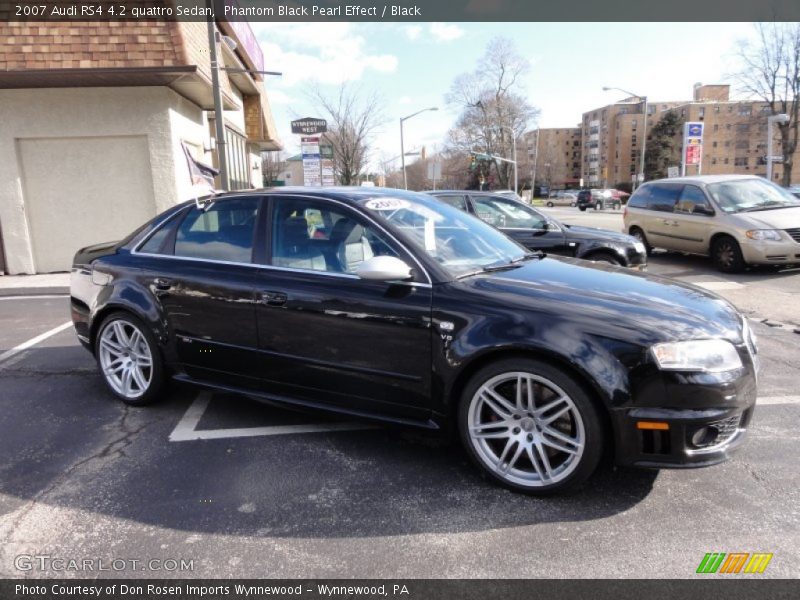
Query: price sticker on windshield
387, 204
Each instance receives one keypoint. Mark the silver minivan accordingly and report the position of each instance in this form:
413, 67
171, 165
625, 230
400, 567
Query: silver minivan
738, 220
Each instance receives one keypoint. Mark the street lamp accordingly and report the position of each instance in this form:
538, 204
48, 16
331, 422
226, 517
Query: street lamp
781, 118
644, 128
514, 151
402, 148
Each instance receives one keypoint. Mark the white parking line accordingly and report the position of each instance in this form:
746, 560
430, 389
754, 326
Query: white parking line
33, 341
36, 297
766, 400
186, 430
718, 285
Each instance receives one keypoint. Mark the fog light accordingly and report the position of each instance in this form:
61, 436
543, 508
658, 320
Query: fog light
705, 436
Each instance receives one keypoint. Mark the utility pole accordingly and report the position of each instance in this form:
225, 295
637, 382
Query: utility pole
535, 159
219, 116
781, 118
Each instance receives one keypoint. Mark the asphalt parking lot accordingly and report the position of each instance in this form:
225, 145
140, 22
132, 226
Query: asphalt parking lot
243, 489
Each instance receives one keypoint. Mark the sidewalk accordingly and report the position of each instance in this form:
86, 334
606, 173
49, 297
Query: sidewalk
34, 285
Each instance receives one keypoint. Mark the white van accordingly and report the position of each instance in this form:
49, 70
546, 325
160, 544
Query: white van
738, 220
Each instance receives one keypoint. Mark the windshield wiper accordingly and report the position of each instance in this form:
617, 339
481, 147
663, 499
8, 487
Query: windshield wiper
512, 264
770, 205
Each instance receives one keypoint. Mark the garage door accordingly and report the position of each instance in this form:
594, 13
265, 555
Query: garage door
81, 191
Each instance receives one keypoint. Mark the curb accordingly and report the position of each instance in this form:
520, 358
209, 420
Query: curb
34, 291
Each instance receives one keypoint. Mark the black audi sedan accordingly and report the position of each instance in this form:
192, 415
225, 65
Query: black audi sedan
394, 306
537, 231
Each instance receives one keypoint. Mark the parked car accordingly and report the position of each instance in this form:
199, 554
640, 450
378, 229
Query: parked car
599, 199
407, 310
738, 220
562, 198
537, 231
508, 194
794, 190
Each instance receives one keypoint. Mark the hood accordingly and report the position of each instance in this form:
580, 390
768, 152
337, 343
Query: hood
778, 218
592, 233
614, 301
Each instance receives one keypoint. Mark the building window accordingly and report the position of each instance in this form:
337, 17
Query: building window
716, 127
745, 110
742, 145
714, 144
238, 160
702, 112
743, 128
740, 161
716, 108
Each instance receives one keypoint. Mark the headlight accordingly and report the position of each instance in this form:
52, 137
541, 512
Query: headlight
764, 234
711, 356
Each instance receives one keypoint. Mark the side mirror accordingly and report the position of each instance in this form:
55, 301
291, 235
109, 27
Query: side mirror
384, 268
701, 209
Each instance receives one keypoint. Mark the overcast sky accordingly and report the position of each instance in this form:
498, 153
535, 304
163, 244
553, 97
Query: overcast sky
413, 66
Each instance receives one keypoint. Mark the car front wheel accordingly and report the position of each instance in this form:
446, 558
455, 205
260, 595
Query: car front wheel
530, 426
727, 255
550, 205
129, 359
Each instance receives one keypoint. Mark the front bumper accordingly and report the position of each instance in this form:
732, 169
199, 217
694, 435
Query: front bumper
699, 420
769, 252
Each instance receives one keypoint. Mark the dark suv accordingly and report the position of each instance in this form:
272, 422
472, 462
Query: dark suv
596, 199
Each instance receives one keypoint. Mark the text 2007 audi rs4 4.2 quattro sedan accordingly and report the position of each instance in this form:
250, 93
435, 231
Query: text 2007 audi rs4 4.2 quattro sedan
394, 306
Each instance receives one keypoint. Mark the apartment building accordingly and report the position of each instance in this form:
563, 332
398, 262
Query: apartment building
95, 121
735, 136
558, 164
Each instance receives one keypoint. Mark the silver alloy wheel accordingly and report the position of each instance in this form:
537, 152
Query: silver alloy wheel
526, 429
125, 359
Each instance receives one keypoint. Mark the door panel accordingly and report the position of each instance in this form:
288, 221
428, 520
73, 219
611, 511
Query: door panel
692, 223
328, 336
200, 275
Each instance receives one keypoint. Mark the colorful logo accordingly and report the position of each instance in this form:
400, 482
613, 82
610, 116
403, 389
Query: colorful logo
734, 562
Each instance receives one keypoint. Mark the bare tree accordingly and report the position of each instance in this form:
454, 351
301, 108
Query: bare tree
494, 110
770, 71
272, 165
353, 118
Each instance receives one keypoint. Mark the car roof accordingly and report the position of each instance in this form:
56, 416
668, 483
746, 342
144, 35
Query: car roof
474, 192
350, 194
706, 179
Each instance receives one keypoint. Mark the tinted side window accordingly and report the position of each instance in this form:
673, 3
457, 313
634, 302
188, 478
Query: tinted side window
691, 197
506, 213
222, 232
459, 202
655, 197
158, 242
311, 235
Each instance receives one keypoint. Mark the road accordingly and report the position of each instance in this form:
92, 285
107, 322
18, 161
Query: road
239, 489
761, 293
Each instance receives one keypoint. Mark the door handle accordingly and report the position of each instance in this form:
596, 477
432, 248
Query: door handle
162, 285
273, 298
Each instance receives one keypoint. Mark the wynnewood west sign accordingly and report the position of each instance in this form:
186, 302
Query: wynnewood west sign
309, 126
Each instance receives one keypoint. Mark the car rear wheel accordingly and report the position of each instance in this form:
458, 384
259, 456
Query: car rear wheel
639, 235
129, 359
582, 208
550, 205
530, 426
727, 255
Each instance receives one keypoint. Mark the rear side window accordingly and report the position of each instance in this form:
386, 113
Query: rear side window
655, 197
222, 232
692, 200
459, 202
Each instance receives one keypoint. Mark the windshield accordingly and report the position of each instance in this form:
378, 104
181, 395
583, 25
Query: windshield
750, 194
459, 242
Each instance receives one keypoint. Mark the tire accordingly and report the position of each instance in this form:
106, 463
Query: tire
605, 257
727, 255
582, 208
573, 204
550, 205
568, 447
639, 235
136, 381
